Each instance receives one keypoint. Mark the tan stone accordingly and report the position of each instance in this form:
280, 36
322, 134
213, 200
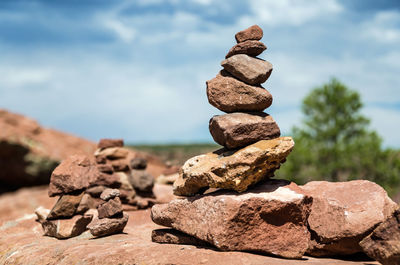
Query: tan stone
234, 170
112, 152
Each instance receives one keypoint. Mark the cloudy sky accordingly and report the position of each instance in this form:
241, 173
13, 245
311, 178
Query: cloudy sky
137, 69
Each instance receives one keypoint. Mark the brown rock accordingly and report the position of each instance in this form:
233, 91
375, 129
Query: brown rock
124, 180
66, 206
251, 70
95, 191
230, 95
138, 163
101, 159
270, 218
87, 203
66, 228
172, 236
234, 170
141, 180
249, 47
105, 168
237, 129
383, 244
108, 226
343, 213
108, 180
112, 153
108, 194
127, 196
252, 33
110, 208
107, 143
73, 174
120, 165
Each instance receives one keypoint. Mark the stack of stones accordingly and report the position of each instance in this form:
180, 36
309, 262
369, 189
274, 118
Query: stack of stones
110, 216
143, 183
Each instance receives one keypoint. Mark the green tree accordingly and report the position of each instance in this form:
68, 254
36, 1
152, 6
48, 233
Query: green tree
334, 142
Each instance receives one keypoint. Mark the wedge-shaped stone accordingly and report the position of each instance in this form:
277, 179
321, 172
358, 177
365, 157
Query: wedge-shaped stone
251, 70
66, 228
270, 218
249, 47
343, 213
110, 208
235, 130
228, 94
233, 170
66, 206
108, 226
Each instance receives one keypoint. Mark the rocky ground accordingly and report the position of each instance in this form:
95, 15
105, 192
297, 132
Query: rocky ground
22, 240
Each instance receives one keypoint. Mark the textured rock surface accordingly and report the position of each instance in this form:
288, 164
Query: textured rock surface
108, 226
22, 241
141, 180
66, 228
269, 218
343, 213
230, 95
108, 194
249, 47
251, 33
107, 143
383, 244
112, 153
172, 236
235, 130
75, 173
138, 163
66, 206
235, 170
110, 208
88, 202
251, 70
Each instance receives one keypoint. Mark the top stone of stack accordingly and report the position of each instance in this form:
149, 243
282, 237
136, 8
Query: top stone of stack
252, 33
248, 42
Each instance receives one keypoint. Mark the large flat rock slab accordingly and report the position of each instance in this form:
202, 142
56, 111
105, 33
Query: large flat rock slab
21, 242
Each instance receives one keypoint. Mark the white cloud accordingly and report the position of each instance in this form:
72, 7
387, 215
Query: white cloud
124, 32
384, 27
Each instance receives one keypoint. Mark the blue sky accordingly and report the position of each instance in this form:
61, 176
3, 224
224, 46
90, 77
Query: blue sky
137, 69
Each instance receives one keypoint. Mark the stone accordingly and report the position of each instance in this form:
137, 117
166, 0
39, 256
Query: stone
75, 173
65, 207
101, 159
383, 244
108, 226
108, 180
87, 203
248, 69
105, 168
127, 196
235, 130
172, 236
228, 94
41, 214
112, 153
110, 208
233, 170
124, 180
167, 179
66, 228
252, 33
343, 213
138, 163
270, 218
141, 180
95, 191
249, 47
120, 165
108, 194
107, 143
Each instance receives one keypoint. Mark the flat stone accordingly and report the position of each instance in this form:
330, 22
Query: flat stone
138, 163
270, 218
252, 33
235, 130
108, 226
105, 168
66, 228
110, 208
228, 94
108, 194
141, 180
75, 173
107, 143
108, 180
233, 170
343, 213
66, 206
249, 47
96, 191
120, 165
383, 244
112, 153
172, 236
248, 69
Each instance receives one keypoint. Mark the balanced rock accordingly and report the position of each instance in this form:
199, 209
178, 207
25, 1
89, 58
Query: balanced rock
252, 33
112, 153
141, 180
66, 228
270, 218
138, 163
172, 236
110, 208
251, 70
108, 226
107, 143
343, 213
108, 180
235, 130
249, 47
383, 244
109, 194
120, 165
234, 170
228, 94
66, 206
75, 173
